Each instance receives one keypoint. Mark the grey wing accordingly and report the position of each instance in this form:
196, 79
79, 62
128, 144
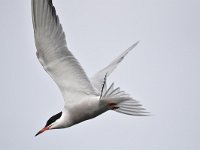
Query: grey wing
98, 80
54, 55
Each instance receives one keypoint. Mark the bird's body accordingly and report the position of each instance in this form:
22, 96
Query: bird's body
84, 98
84, 109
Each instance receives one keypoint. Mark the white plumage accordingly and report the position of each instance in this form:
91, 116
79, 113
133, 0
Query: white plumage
84, 98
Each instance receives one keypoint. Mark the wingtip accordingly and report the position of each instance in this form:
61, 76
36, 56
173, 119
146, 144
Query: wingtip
135, 44
132, 46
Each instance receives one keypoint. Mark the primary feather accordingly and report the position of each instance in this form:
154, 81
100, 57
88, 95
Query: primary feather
54, 55
99, 78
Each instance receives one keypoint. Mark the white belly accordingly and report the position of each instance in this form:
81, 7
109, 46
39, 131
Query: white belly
85, 109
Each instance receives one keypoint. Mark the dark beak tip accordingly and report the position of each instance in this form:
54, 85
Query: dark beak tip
37, 134
43, 130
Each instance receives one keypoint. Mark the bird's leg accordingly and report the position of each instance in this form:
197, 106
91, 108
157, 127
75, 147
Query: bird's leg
112, 106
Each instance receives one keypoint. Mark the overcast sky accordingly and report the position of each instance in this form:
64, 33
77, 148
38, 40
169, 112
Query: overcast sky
162, 73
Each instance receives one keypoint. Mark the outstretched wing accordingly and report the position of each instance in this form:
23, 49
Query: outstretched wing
54, 55
98, 79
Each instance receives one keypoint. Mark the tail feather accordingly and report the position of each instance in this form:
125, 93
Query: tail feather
131, 107
121, 102
114, 92
130, 113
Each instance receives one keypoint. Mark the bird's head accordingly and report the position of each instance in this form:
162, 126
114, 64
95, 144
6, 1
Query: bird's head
52, 123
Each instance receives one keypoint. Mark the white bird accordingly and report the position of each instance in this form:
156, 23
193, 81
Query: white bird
84, 98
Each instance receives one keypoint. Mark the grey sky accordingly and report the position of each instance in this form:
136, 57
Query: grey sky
162, 73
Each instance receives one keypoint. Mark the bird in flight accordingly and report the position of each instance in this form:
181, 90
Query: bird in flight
84, 98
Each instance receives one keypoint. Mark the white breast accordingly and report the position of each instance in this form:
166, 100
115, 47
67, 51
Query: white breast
85, 109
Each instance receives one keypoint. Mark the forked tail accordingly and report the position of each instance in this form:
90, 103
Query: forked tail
119, 101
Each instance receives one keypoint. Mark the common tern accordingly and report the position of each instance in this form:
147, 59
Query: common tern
84, 98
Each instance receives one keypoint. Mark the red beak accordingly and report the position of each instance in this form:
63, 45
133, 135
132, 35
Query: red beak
41, 131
